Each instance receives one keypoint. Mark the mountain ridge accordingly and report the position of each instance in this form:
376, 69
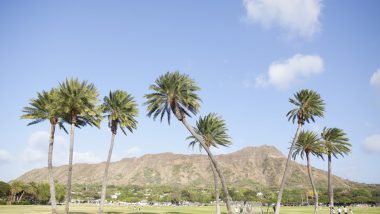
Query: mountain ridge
248, 166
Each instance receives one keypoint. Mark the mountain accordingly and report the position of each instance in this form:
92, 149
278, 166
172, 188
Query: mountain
249, 166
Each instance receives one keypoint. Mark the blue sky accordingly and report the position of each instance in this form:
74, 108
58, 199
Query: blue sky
248, 57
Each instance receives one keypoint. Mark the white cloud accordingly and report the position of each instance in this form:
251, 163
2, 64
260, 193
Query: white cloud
86, 157
296, 17
375, 79
35, 153
372, 143
5, 156
38, 138
133, 151
283, 74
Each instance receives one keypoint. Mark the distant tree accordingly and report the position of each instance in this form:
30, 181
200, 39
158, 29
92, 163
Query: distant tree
308, 105
43, 193
309, 143
60, 191
212, 128
335, 143
78, 102
4, 190
175, 92
121, 110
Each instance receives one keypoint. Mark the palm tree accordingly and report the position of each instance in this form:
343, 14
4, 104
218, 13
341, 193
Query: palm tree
120, 109
16, 187
308, 106
78, 102
45, 107
174, 93
309, 143
213, 130
335, 143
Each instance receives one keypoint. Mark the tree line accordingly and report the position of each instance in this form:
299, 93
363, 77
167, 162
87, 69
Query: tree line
19, 192
76, 103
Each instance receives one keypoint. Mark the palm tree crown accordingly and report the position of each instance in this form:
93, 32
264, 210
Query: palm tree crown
213, 130
309, 104
174, 92
78, 102
42, 108
121, 109
335, 142
308, 143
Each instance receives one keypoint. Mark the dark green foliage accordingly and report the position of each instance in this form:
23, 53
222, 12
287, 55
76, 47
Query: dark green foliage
309, 105
78, 102
121, 109
308, 142
173, 92
45, 107
213, 130
5, 190
335, 142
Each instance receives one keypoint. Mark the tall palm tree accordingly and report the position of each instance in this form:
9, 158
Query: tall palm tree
335, 143
42, 108
309, 143
78, 102
174, 93
213, 130
120, 109
308, 105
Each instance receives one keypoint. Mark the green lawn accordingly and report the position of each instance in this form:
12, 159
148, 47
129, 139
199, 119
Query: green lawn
87, 209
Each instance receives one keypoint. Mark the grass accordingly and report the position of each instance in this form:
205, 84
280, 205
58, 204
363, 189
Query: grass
89, 209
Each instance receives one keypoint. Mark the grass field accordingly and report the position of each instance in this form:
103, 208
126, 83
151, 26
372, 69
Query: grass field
87, 209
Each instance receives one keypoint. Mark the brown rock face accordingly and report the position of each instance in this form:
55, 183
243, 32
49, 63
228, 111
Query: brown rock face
249, 166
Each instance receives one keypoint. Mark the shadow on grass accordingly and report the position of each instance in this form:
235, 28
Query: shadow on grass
142, 213
165, 213
104, 212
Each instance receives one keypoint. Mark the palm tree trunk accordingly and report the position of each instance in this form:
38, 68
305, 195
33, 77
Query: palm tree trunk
104, 185
330, 188
19, 198
50, 170
70, 169
312, 184
216, 165
216, 188
286, 171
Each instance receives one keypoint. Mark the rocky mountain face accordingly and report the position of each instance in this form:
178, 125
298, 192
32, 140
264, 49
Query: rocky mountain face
249, 166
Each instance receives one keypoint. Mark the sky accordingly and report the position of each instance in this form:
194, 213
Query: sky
248, 56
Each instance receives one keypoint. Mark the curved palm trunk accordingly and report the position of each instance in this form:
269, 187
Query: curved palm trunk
70, 169
216, 165
50, 170
104, 185
312, 184
284, 177
216, 188
19, 198
330, 188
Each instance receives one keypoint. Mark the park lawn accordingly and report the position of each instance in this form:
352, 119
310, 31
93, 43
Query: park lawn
89, 209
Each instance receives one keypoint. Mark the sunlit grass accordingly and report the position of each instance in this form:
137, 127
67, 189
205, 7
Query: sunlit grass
87, 209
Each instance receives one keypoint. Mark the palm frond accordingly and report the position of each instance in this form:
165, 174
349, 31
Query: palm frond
212, 128
335, 142
309, 105
173, 92
121, 109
